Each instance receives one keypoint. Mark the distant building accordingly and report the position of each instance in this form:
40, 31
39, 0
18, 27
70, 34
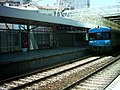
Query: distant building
76, 4
8, 3
63, 6
3, 1
50, 10
15, 1
47, 10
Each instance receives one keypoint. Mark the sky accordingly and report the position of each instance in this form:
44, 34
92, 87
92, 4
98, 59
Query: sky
100, 3
93, 3
45, 2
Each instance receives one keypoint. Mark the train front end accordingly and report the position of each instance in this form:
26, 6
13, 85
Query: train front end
99, 39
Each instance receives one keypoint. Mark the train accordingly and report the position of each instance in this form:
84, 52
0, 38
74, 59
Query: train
103, 39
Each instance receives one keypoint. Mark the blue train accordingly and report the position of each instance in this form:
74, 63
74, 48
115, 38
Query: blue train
103, 39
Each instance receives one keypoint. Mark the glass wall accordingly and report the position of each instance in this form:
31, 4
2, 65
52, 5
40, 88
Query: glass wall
9, 41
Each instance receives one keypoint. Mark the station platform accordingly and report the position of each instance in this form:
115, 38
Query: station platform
20, 56
18, 63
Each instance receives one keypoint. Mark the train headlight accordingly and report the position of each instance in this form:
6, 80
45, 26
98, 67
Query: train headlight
107, 42
91, 42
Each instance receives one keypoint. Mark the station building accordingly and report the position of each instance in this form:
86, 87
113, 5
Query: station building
40, 37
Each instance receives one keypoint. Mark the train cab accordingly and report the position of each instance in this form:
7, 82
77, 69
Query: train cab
99, 39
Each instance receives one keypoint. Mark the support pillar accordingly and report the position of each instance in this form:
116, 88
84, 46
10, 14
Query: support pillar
28, 32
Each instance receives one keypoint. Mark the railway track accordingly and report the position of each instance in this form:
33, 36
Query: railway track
99, 80
40, 75
60, 77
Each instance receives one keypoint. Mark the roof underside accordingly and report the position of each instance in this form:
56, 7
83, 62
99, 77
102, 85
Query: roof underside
109, 12
114, 18
112, 13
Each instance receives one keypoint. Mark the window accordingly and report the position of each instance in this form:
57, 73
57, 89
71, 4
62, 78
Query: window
99, 36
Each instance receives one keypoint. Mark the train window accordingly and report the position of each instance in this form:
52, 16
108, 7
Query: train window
99, 36
91, 36
105, 35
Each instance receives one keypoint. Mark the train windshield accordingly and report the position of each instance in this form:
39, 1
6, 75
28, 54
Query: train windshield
99, 36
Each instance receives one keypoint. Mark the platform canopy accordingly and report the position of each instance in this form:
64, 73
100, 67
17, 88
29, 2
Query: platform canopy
27, 17
110, 12
102, 16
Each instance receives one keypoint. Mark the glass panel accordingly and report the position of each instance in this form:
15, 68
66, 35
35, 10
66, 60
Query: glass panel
99, 36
